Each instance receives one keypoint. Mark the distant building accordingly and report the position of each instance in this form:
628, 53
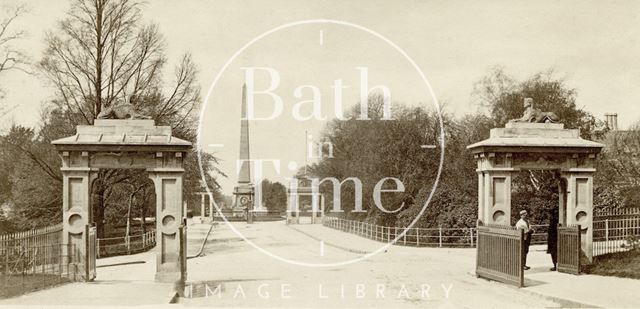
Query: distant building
620, 140
612, 121
624, 144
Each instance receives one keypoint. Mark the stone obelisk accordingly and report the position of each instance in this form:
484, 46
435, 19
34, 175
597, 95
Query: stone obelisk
244, 190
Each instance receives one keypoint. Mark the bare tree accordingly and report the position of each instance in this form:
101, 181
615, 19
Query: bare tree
100, 55
11, 57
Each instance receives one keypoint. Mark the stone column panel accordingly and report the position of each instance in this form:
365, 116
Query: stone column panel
579, 208
169, 214
76, 203
481, 216
500, 198
487, 199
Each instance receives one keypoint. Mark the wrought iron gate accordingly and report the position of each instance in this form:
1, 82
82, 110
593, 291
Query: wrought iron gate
500, 254
569, 249
92, 250
182, 233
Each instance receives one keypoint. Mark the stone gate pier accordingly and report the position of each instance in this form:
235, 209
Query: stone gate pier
537, 146
126, 144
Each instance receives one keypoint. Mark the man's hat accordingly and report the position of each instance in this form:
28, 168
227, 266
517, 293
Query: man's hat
523, 212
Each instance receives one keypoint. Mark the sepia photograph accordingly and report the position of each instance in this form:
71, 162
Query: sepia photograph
319, 154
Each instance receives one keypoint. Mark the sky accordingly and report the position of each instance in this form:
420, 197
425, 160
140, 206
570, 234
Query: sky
592, 44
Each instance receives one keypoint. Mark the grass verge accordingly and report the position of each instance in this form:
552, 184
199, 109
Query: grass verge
620, 264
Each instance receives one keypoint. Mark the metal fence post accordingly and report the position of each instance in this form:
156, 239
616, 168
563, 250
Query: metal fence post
44, 257
404, 239
606, 229
388, 233
395, 232
417, 237
440, 236
6, 261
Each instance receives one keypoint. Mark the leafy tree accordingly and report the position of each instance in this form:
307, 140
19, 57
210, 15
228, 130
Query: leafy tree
618, 176
372, 150
503, 97
375, 149
274, 196
34, 181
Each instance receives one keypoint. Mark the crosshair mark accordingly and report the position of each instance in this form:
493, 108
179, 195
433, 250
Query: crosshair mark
428, 146
292, 166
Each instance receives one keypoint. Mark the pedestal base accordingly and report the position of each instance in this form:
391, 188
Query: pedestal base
206, 220
170, 277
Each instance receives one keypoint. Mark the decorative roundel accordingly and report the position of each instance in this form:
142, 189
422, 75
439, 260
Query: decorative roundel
244, 200
76, 223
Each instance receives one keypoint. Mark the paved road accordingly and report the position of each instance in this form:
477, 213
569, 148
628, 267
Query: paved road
400, 277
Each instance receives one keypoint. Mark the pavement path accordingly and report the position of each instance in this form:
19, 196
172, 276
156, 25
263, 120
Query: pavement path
565, 289
131, 283
126, 280
234, 274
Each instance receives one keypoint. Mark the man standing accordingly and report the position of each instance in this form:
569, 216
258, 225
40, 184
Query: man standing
552, 238
523, 224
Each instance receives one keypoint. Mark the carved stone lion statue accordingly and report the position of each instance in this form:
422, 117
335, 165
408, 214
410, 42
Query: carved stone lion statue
122, 111
532, 114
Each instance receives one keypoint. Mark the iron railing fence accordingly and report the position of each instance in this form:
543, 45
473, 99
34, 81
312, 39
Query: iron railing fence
416, 237
539, 236
232, 216
48, 235
609, 235
125, 245
616, 235
51, 235
612, 221
601, 214
25, 269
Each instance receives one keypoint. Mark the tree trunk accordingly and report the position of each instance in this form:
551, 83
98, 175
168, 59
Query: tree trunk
143, 212
143, 218
99, 47
128, 228
98, 208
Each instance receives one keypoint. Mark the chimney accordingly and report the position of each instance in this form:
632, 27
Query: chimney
612, 121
